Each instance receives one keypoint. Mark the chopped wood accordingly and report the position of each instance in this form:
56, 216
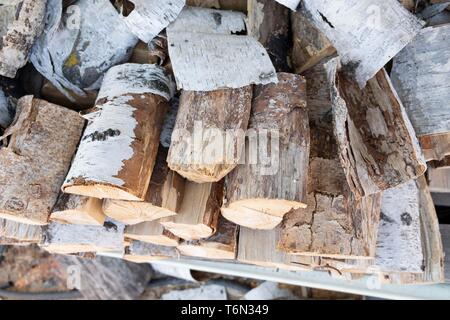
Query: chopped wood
265, 187
21, 232
142, 252
377, 145
20, 36
221, 60
421, 75
209, 133
42, 141
118, 150
435, 147
310, 45
367, 36
72, 238
222, 245
75, 209
199, 212
152, 232
439, 180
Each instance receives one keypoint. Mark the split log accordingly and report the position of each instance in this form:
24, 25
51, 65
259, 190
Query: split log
421, 75
75, 55
268, 22
152, 232
209, 133
435, 147
221, 59
263, 189
42, 141
310, 45
71, 238
222, 245
259, 247
78, 210
377, 145
377, 31
118, 150
335, 223
16, 44
23, 233
199, 212
142, 252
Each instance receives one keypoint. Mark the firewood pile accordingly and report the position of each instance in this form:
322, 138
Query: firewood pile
302, 135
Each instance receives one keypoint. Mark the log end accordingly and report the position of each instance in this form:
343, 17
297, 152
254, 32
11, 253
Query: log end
161, 240
38, 221
207, 251
189, 231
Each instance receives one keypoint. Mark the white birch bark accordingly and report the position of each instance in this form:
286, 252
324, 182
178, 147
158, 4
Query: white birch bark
291, 4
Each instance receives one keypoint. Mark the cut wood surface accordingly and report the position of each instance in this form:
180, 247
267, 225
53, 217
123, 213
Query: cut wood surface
199, 212
75, 209
209, 133
152, 232
421, 75
118, 150
71, 238
20, 232
21, 33
435, 147
377, 145
268, 22
439, 179
42, 141
367, 36
141, 252
261, 190
334, 224
163, 199
310, 45
222, 245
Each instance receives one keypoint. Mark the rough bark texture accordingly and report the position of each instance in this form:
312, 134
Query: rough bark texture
310, 45
421, 75
142, 252
152, 232
199, 212
377, 145
42, 141
21, 232
209, 133
118, 150
221, 245
78, 210
71, 238
367, 36
16, 44
163, 199
266, 186
335, 223
268, 22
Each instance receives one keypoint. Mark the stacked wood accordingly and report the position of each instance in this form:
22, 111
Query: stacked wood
142, 252
42, 141
78, 210
222, 245
20, 36
265, 187
152, 232
118, 150
209, 133
199, 212
20, 232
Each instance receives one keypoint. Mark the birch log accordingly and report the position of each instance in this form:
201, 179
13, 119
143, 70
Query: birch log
375, 32
208, 133
222, 245
334, 224
268, 22
152, 232
163, 197
199, 212
78, 210
141, 252
265, 187
21, 34
21, 232
377, 145
118, 150
42, 141
71, 238
310, 45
